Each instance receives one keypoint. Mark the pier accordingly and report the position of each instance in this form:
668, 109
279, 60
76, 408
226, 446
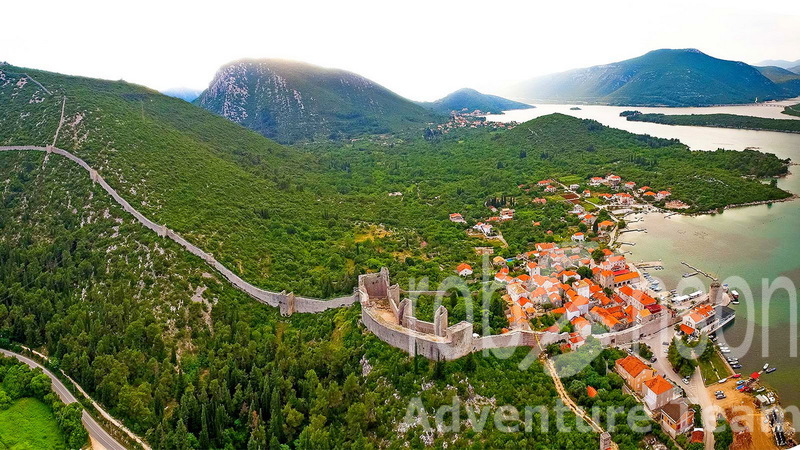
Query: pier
650, 265
633, 230
698, 271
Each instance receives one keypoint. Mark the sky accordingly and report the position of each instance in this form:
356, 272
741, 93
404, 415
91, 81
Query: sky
419, 49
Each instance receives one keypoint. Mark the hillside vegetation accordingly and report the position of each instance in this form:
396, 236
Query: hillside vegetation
190, 362
667, 77
184, 359
292, 101
310, 220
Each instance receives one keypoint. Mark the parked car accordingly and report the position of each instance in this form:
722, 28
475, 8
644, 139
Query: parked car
722, 381
653, 359
736, 375
686, 380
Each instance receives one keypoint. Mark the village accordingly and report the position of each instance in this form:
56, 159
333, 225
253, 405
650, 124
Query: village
471, 119
590, 289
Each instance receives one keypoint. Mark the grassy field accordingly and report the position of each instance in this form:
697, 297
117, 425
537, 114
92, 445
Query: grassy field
714, 370
29, 424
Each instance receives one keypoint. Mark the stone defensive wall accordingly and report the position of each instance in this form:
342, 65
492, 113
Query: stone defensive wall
383, 312
287, 302
392, 321
634, 334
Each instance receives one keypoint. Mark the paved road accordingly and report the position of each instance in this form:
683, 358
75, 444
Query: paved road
695, 391
95, 430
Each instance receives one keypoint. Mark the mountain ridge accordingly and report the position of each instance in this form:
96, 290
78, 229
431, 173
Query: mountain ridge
469, 100
664, 77
291, 101
782, 63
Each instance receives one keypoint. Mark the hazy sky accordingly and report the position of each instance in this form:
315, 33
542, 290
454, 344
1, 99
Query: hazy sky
419, 49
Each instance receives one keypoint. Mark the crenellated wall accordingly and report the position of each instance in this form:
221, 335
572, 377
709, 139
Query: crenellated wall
287, 302
434, 340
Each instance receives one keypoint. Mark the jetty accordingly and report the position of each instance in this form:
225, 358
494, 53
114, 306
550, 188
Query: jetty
697, 271
631, 230
650, 264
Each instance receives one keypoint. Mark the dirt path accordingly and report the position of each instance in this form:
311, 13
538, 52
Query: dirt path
577, 410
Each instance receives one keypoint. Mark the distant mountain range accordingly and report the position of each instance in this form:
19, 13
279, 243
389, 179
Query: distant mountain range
667, 77
782, 63
187, 94
293, 101
469, 100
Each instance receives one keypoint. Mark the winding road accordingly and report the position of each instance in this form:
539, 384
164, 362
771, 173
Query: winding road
96, 432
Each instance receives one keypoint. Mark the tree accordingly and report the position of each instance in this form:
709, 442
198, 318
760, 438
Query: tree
645, 351
723, 436
585, 272
40, 385
5, 400
598, 255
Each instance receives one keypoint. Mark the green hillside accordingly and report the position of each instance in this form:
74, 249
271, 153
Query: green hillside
292, 101
778, 74
469, 100
186, 360
666, 77
310, 221
189, 362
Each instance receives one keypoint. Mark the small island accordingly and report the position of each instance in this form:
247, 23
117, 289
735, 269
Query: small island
719, 121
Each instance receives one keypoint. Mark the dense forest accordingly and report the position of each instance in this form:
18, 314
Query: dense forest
310, 219
721, 121
190, 362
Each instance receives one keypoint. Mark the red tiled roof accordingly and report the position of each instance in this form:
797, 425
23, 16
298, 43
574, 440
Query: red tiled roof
632, 365
658, 385
625, 277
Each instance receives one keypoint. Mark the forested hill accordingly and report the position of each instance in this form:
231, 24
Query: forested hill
469, 100
685, 77
261, 208
291, 101
163, 342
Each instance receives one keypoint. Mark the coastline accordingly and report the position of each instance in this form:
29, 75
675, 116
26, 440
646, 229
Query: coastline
762, 202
